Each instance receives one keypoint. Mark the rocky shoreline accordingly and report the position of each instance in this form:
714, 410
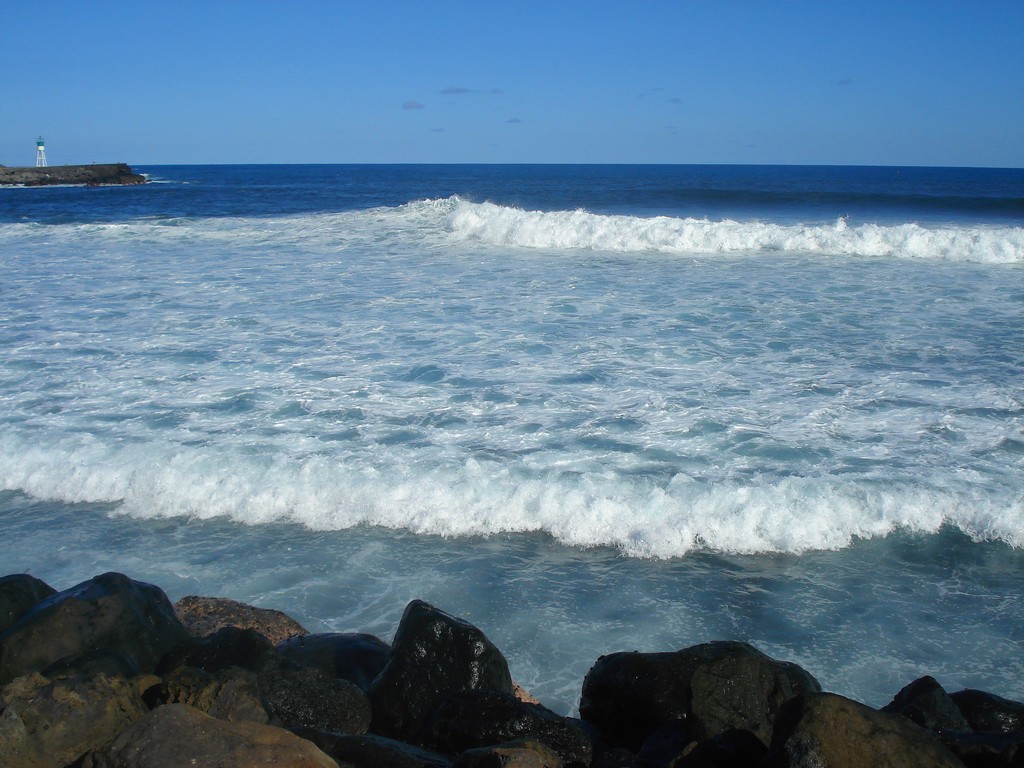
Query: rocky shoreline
87, 175
108, 674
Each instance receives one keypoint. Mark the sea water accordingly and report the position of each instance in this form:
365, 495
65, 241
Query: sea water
587, 408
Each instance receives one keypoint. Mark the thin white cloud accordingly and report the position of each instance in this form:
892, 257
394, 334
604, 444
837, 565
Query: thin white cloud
412, 105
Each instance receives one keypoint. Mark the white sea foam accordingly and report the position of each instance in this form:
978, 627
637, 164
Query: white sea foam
639, 517
453, 221
500, 225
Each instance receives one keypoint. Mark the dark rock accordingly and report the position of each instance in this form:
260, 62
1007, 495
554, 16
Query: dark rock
713, 687
18, 594
204, 616
229, 647
988, 749
522, 753
358, 658
926, 703
433, 656
481, 718
665, 745
53, 723
106, 173
730, 749
308, 698
109, 611
369, 751
93, 662
820, 730
627, 695
227, 694
735, 686
988, 712
178, 735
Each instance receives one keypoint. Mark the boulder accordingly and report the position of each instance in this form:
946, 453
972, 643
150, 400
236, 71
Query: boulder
47, 722
985, 749
824, 730
19, 592
480, 718
369, 751
227, 694
109, 611
713, 687
988, 712
433, 656
926, 703
522, 753
665, 745
355, 657
177, 735
628, 695
228, 647
204, 616
729, 749
89, 663
309, 698
735, 686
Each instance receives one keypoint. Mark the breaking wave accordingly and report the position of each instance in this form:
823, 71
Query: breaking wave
501, 225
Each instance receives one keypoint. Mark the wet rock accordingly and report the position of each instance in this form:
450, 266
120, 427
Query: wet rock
988, 749
204, 616
109, 611
735, 686
926, 703
228, 647
356, 657
730, 749
821, 730
178, 735
47, 722
433, 656
627, 695
712, 687
522, 753
101, 661
227, 694
665, 745
988, 712
309, 698
370, 751
480, 718
19, 592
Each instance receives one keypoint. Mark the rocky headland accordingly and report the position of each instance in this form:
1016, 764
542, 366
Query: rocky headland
110, 674
88, 175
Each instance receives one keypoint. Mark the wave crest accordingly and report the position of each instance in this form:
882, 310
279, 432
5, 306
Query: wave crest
639, 518
501, 225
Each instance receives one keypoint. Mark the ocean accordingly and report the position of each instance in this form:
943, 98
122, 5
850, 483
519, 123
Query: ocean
587, 408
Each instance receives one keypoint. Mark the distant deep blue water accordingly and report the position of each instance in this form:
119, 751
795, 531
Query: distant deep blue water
588, 408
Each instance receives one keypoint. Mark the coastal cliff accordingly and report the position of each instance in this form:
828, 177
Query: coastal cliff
90, 175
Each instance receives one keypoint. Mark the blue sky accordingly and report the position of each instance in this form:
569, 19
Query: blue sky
690, 81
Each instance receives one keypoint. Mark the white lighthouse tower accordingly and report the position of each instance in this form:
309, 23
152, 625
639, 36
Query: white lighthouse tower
40, 153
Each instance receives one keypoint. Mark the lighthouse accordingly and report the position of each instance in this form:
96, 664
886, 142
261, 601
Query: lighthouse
40, 153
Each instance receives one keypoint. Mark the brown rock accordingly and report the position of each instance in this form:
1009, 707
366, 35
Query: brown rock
522, 753
54, 722
178, 735
824, 730
228, 694
204, 616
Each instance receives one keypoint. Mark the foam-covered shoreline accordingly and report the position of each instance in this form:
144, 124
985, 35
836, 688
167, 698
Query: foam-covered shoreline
108, 674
